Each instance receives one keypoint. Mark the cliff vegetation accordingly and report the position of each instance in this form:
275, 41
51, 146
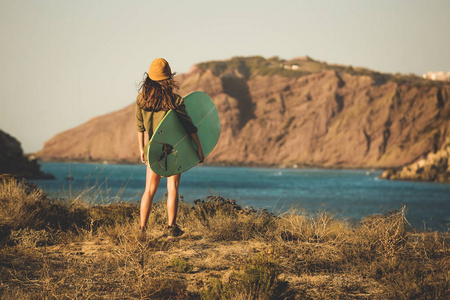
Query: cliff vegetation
301, 66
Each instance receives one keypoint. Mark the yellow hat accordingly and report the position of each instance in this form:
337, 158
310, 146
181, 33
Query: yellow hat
159, 70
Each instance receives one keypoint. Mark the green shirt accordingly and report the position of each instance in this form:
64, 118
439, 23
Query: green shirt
149, 120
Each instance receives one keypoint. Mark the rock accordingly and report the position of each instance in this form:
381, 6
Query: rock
435, 167
12, 160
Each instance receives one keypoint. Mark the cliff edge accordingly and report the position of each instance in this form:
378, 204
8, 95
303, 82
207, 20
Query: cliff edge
12, 160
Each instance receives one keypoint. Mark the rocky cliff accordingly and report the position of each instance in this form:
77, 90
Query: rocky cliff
434, 167
293, 113
12, 160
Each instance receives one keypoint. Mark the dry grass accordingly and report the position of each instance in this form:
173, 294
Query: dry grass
53, 249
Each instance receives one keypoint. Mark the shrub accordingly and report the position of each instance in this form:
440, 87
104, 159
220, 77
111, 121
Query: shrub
23, 205
257, 280
383, 235
30, 238
181, 265
224, 220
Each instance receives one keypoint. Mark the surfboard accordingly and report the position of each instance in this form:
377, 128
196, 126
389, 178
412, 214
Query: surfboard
171, 150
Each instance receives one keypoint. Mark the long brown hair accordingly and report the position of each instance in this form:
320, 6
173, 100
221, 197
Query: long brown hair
157, 95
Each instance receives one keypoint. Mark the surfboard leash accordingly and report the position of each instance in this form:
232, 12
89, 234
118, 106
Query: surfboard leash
167, 149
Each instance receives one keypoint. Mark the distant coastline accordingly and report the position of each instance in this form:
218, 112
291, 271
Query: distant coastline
222, 164
400, 173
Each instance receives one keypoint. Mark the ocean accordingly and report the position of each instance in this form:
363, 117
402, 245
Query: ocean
348, 194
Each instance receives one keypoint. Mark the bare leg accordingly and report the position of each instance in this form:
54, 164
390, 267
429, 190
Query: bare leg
151, 186
173, 183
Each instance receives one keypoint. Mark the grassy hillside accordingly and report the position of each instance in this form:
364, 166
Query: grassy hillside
298, 67
63, 250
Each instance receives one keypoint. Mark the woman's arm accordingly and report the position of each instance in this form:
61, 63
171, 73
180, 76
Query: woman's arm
141, 146
141, 129
189, 126
196, 140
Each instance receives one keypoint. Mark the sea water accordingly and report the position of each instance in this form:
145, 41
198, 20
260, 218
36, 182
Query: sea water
348, 194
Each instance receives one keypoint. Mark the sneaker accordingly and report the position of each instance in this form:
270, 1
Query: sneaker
174, 231
141, 235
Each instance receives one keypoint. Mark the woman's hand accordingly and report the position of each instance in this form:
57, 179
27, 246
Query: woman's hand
144, 161
201, 157
196, 140
141, 146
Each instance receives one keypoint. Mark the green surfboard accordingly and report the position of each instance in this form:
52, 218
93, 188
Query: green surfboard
171, 150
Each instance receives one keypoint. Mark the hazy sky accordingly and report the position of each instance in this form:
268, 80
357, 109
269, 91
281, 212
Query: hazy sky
65, 61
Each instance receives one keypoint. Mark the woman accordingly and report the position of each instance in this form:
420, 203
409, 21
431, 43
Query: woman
156, 97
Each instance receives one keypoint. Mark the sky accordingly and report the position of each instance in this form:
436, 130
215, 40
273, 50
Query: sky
63, 62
